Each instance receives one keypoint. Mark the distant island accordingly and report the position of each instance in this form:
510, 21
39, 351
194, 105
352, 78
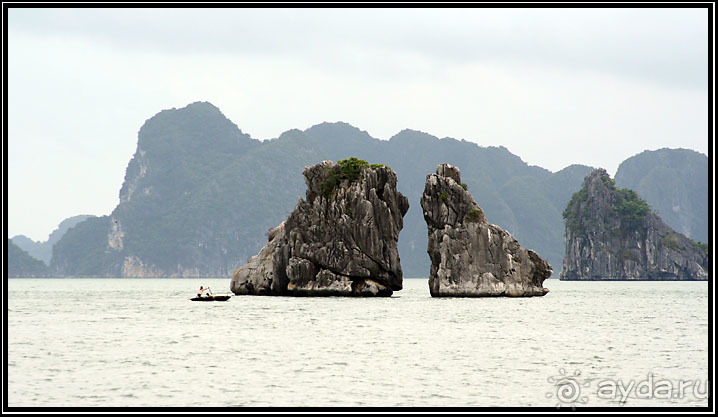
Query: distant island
199, 195
612, 234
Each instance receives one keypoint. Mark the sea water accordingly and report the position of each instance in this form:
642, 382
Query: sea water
141, 342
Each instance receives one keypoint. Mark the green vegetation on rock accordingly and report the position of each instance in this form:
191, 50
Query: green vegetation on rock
473, 216
631, 208
610, 183
346, 170
701, 245
627, 206
670, 241
375, 166
328, 185
612, 234
572, 214
351, 168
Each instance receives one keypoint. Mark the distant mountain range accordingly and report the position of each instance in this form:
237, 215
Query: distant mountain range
43, 250
21, 264
199, 195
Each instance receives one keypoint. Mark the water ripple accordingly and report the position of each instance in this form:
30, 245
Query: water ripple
143, 343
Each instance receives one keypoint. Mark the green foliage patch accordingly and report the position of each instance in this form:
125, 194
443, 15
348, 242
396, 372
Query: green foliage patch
701, 245
610, 183
572, 214
328, 185
345, 170
473, 216
375, 166
631, 208
628, 206
670, 241
351, 168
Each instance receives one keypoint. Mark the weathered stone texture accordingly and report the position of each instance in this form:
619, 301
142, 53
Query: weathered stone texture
342, 242
469, 256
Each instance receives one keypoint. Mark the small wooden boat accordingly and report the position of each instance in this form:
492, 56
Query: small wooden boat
212, 298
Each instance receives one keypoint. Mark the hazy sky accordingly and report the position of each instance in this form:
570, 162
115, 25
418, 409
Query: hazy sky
555, 86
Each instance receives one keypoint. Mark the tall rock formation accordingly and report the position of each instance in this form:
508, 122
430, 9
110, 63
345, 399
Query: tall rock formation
469, 256
612, 234
341, 240
194, 203
524, 199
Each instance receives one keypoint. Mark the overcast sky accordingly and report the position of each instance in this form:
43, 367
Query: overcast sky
555, 86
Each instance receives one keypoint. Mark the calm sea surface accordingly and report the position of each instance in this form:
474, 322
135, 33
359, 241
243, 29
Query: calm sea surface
134, 342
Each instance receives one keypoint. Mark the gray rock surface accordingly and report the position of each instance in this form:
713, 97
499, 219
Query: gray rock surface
469, 256
601, 245
341, 242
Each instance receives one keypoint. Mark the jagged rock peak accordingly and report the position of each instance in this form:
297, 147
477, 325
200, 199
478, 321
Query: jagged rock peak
469, 256
612, 234
449, 171
599, 178
341, 240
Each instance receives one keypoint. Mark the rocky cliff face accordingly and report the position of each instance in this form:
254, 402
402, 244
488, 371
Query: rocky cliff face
612, 234
469, 256
177, 214
341, 240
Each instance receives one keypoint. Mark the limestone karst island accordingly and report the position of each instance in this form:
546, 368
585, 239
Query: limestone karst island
340, 240
612, 234
199, 197
469, 256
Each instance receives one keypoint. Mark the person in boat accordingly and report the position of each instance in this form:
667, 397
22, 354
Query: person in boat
201, 290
